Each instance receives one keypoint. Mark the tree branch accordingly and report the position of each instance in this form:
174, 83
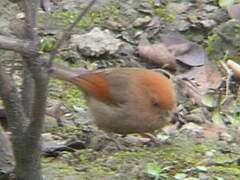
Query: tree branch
14, 110
17, 45
66, 33
30, 10
27, 90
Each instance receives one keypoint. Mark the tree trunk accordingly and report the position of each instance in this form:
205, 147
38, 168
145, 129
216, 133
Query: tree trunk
28, 163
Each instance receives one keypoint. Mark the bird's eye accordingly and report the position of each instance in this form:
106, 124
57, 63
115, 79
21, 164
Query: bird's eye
156, 104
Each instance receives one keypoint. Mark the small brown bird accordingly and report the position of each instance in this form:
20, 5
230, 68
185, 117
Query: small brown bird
125, 100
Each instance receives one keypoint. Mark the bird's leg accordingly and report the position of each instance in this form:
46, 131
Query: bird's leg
110, 136
56, 112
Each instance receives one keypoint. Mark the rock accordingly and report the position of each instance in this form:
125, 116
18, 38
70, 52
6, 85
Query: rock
228, 31
208, 23
179, 8
70, 56
48, 137
181, 25
210, 8
224, 136
192, 129
219, 15
96, 43
158, 3
141, 21
146, 8
210, 154
8, 10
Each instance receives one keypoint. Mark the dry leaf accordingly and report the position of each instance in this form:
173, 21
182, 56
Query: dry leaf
235, 68
199, 80
159, 54
185, 51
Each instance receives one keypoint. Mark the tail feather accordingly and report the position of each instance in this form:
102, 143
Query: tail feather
66, 73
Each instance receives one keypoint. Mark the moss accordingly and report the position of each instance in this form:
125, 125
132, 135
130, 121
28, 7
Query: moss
226, 171
211, 42
57, 168
96, 17
73, 97
182, 156
201, 148
2, 52
69, 94
65, 131
162, 12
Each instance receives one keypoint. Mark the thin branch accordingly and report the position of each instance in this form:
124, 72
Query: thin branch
30, 10
66, 33
227, 81
17, 45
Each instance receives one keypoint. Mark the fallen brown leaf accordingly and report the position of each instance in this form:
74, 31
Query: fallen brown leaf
185, 51
159, 54
235, 67
199, 80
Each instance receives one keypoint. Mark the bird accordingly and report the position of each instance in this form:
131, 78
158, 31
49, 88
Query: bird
124, 100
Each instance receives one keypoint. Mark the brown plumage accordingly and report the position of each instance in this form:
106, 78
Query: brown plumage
125, 100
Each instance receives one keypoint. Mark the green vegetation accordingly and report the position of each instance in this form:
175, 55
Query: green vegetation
63, 18
73, 97
69, 94
47, 43
185, 157
164, 13
156, 171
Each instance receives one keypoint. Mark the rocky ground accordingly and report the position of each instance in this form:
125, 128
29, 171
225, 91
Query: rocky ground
202, 147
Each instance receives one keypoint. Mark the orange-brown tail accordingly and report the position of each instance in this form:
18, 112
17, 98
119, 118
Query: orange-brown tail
91, 82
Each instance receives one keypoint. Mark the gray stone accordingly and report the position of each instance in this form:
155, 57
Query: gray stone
141, 21
95, 43
178, 8
208, 23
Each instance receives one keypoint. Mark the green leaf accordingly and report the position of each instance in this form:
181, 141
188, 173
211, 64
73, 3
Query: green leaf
234, 118
47, 43
209, 101
217, 117
156, 171
225, 3
162, 137
218, 178
180, 176
201, 168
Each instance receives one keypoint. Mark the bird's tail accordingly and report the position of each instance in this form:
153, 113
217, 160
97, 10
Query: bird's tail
66, 73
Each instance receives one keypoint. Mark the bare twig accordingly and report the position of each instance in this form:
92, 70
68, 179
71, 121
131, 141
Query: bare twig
66, 33
235, 67
165, 72
17, 45
30, 10
227, 81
